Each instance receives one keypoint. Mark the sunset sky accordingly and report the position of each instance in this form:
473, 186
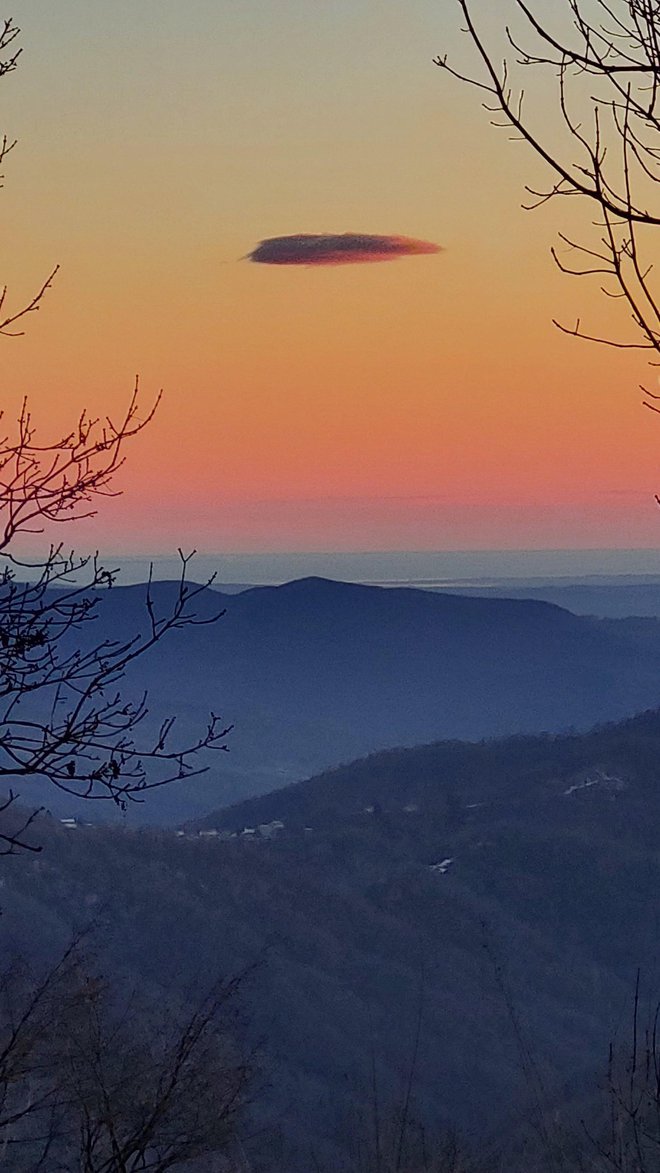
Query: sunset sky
422, 403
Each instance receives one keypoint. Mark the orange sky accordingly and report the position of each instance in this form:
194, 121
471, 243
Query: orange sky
423, 403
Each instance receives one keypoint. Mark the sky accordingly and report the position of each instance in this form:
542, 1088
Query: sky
424, 403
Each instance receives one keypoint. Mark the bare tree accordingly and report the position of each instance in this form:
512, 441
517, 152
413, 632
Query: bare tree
628, 1139
391, 1142
89, 1079
9, 319
31, 1013
62, 716
106, 1085
384, 1133
604, 148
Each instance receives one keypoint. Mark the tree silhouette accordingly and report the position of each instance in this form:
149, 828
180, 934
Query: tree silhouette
63, 717
101, 1082
604, 148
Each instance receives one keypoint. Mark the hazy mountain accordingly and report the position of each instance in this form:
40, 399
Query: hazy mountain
315, 672
611, 598
512, 886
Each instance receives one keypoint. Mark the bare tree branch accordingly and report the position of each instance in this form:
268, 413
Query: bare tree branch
606, 66
105, 1084
63, 717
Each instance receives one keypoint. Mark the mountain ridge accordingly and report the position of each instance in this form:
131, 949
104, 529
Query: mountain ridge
315, 672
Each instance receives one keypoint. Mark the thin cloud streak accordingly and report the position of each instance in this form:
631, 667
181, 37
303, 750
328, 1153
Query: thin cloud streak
345, 248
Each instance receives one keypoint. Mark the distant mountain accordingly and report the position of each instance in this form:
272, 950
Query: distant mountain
508, 888
317, 672
614, 598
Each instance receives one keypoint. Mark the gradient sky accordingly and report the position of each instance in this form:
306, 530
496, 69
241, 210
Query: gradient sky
426, 403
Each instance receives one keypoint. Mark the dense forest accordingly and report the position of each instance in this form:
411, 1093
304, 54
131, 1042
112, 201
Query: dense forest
502, 894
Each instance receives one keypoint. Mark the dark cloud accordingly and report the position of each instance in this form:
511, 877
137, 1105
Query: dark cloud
332, 248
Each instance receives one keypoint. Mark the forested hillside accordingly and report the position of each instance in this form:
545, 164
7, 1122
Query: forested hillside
509, 889
314, 673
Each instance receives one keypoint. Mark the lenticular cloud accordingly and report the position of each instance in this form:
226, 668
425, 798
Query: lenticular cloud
346, 248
